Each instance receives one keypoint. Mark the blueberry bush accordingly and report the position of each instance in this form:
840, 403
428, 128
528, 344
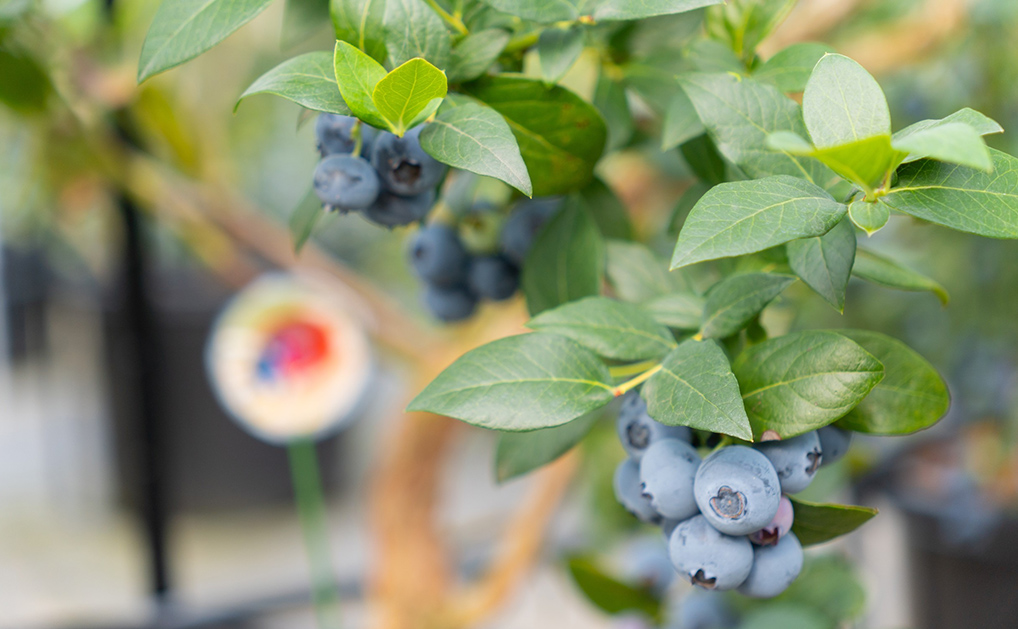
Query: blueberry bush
456, 116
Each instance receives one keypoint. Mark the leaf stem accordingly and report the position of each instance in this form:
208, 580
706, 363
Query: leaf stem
637, 381
623, 371
450, 19
358, 139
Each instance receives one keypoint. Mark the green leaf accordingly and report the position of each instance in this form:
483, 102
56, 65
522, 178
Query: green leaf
357, 74
304, 218
703, 159
302, 18
749, 216
362, 24
681, 311
886, 272
708, 55
566, 262
412, 30
740, 113
560, 135
608, 10
734, 301
25, 86
522, 382
412, 89
695, 387
607, 210
681, 122
611, 595
476, 138
473, 55
790, 68
518, 453
869, 216
743, 25
825, 262
636, 274
828, 583
611, 100
685, 205
558, 49
613, 329
982, 124
816, 523
961, 198
308, 80
799, 382
955, 142
912, 395
842, 103
783, 616
547, 12
183, 29
868, 163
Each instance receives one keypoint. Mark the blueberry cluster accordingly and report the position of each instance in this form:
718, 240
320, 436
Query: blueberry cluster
389, 179
726, 517
455, 279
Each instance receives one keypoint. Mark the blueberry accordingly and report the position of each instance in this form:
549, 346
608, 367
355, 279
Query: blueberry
335, 135
345, 182
637, 430
645, 563
711, 559
834, 443
796, 460
629, 493
391, 210
524, 224
493, 277
438, 256
449, 303
737, 490
702, 609
774, 568
403, 166
778, 527
667, 469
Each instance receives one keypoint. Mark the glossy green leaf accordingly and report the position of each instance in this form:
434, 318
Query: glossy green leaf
749, 216
740, 113
789, 69
561, 137
636, 273
557, 50
566, 262
842, 103
695, 387
681, 311
183, 29
413, 29
308, 80
954, 142
413, 89
523, 382
742, 24
518, 453
357, 74
681, 122
869, 216
476, 138
473, 55
703, 159
304, 218
912, 395
548, 12
734, 301
609, 594
799, 382
982, 124
607, 210
613, 329
685, 205
361, 23
816, 523
825, 262
867, 163
886, 272
611, 100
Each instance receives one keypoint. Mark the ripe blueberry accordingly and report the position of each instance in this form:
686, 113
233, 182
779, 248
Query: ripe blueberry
438, 256
345, 182
335, 135
403, 166
774, 568
493, 277
523, 225
796, 460
778, 527
709, 558
702, 609
737, 490
449, 303
629, 493
667, 469
637, 430
391, 210
834, 443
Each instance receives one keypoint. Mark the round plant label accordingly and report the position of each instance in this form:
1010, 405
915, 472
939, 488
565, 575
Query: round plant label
288, 359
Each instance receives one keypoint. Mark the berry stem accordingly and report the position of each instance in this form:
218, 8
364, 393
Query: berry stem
308, 494
450, 19
624, 371
358, 139
637, 381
